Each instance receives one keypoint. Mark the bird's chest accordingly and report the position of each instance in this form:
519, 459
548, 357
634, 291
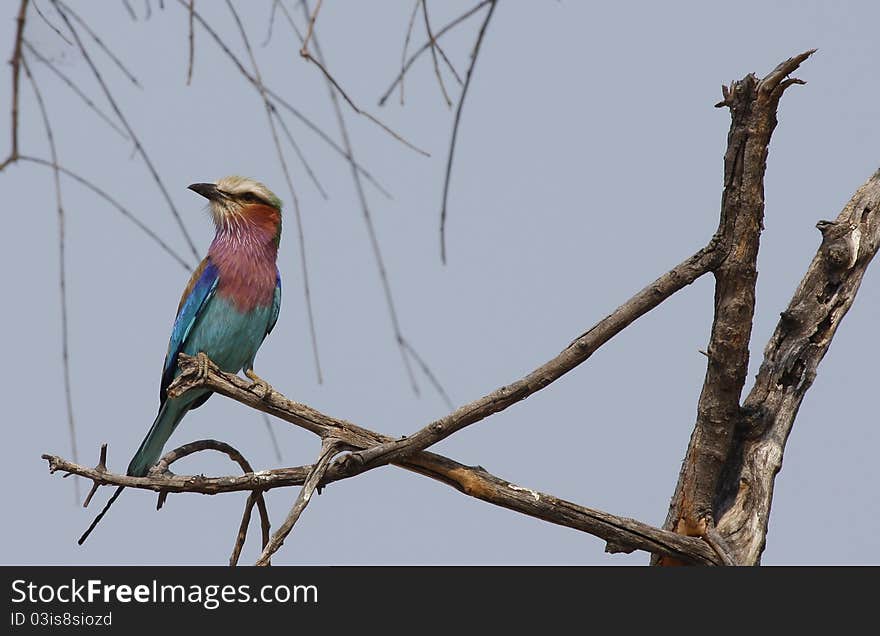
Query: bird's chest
247, 285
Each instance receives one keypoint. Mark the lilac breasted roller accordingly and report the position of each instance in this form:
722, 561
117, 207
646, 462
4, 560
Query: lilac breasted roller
228, 308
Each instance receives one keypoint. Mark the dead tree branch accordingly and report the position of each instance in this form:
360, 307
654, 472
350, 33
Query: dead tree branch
255, 498
752, 105
791, 358
329, 448
473, 481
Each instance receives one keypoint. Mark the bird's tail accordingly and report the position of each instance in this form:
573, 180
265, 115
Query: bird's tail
150, 450
148, 453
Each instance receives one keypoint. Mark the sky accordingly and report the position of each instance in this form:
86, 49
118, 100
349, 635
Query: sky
589, 161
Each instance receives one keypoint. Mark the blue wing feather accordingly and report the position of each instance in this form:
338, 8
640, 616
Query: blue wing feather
200, 289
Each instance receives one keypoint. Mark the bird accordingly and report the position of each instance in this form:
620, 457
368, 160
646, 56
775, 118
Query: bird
228, 308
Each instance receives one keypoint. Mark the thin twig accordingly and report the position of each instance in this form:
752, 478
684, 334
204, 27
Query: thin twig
137, 144
304, 52
98, 41
255, 497
49, 24
271, 432
271, 23
434, 47
427, 45
280, 101
16, 66
311, 28
299, 153
429, 374
131, 12
329, 448
62, 271
467, 83
88, 102
409, 30
289, 179
368, 219
192, 49
122, 210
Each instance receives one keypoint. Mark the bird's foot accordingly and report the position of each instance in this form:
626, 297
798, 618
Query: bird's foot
258, 385
202, 361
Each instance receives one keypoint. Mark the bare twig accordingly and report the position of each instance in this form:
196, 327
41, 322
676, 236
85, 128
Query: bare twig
464, 90
62, 271
434, 47
130, 10
113, 57
192, 49
49, 23
138, 146
106, 118
122, 210
15, 61
329, 448
280, 101
576, 353
311, 28
428, 374
299, 153
272, 13
409, 30
304, 52
255, 498
297, 213
451, 25
271, 432
368, 219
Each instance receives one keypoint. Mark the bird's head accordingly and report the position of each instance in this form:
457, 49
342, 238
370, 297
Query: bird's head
240, 202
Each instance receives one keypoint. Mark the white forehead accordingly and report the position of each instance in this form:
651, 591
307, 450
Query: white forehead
241, 185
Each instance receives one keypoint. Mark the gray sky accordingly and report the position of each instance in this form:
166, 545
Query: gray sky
589, 162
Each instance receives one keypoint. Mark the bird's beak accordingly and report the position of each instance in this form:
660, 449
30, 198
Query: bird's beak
207, 190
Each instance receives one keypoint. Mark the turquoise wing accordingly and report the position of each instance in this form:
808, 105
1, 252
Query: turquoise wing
198, 292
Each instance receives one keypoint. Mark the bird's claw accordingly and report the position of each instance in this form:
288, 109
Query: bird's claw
258, 386
202, 361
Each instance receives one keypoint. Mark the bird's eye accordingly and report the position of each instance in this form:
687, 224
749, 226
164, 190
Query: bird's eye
250, 197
